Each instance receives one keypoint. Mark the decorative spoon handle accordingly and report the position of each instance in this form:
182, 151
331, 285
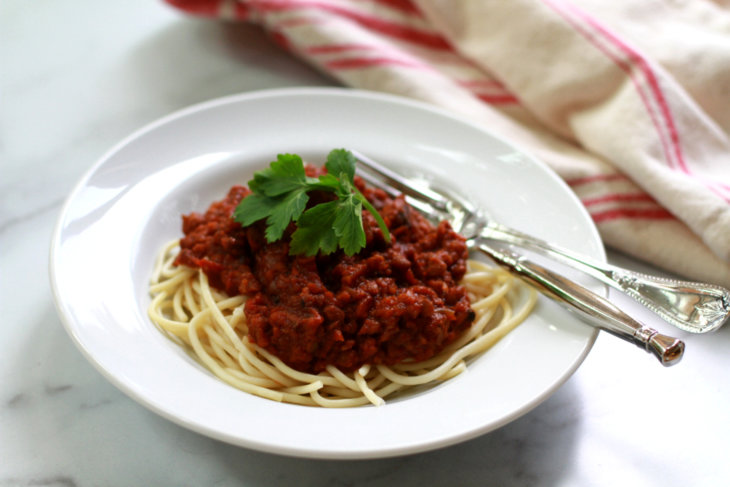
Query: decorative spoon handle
690, 306
591, 307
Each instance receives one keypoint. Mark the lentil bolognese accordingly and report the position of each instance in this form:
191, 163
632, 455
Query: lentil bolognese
331, 329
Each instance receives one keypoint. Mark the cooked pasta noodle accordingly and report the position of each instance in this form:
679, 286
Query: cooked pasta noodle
213, 326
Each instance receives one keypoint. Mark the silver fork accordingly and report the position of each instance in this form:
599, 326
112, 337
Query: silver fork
690, 306
596, 310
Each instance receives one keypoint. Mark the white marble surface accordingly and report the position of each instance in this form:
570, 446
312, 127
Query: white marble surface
79, 76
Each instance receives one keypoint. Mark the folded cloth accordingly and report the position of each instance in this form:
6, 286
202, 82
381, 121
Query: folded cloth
629, 102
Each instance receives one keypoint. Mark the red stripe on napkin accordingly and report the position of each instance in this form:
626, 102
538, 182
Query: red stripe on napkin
619, 198
337, 48
389, 28
367, 62
498, 99
197, 7
405, 6
632, 214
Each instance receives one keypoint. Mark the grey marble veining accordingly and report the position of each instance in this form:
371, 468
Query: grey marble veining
77, 77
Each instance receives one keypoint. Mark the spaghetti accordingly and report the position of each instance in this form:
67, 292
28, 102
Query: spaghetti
212, 325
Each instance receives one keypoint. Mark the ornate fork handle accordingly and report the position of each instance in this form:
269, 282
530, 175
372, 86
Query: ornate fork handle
690, 306
594, 309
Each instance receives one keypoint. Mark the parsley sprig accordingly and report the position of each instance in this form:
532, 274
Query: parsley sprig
280, 195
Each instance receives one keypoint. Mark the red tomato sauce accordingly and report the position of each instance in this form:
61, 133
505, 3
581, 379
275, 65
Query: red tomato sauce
386, 304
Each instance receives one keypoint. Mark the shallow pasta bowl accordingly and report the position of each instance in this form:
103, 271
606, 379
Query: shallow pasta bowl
129, 204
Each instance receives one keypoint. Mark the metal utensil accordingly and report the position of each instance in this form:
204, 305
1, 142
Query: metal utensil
593, 308
694, 307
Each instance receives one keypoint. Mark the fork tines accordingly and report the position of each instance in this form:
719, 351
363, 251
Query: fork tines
394, 184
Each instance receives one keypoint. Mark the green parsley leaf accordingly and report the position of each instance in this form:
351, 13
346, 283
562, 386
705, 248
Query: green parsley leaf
315, 230
280, 195
285, 174
253, 208
348, 225
328, 181
339, 162
288, 208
